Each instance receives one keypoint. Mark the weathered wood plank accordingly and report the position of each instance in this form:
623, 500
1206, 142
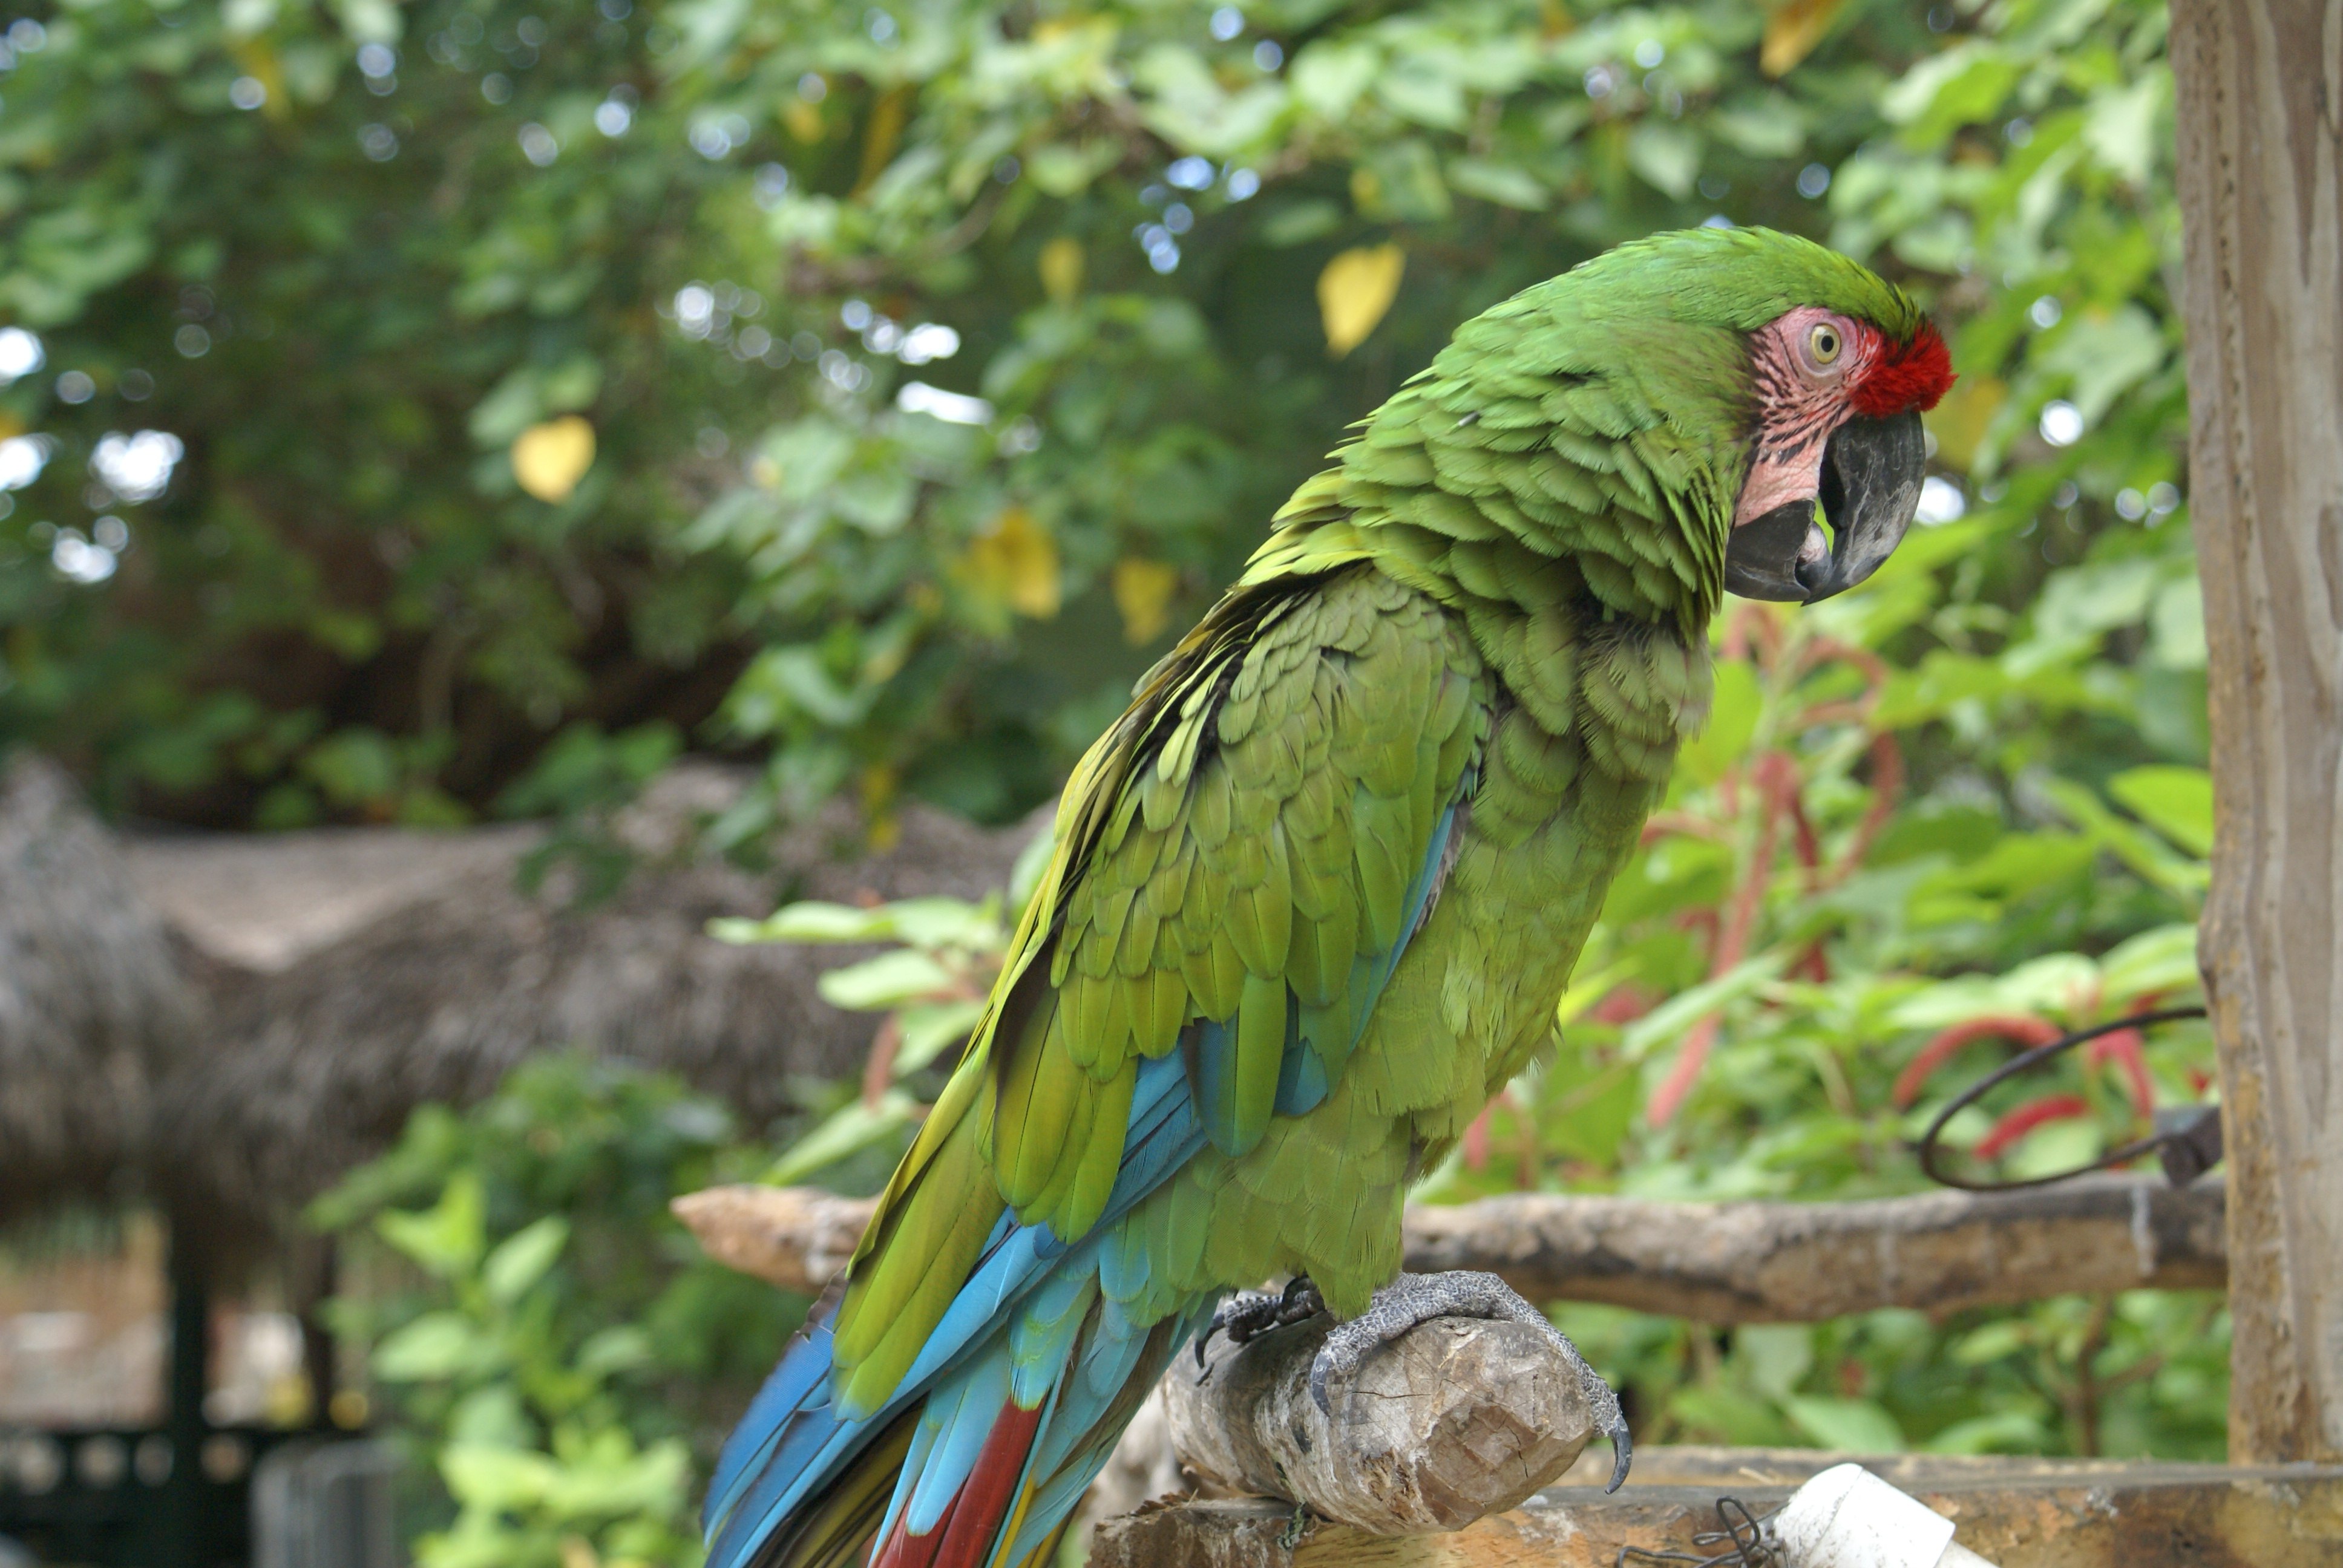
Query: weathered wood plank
1716, 1262
2261, 84
2016, 1512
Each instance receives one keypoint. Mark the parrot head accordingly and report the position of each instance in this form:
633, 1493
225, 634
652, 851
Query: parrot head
1786, 382
1834, 365
1838, 397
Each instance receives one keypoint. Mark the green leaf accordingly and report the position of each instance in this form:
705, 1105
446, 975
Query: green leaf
447, 1239
810, 922
2104, 355
1672, 1019
845, 1132
2160, 963
521, 1260
886, 982
494, 1477
1777, 1356
434, 1347
1504, 184
2178, 802
621, 1348
1328, 75
1665, 155
1733, 709
931, 1029
1845, 1425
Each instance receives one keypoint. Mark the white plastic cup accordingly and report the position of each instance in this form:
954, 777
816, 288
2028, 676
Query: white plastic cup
1847, 1517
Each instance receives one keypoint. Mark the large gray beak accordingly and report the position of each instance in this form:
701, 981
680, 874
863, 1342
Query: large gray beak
1871, 475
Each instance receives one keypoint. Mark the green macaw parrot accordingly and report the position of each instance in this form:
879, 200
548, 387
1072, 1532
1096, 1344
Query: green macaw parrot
1315, 895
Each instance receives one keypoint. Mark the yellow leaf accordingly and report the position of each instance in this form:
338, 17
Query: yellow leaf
577, 1552
1016, 562
1792, 28
10, 426
260, 62
1356, 291
1142, 592
885, 132
1061, 268
802, 120
878, 787
548, 459
1960, 421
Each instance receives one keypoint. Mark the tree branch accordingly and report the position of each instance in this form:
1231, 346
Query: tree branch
1714, 1262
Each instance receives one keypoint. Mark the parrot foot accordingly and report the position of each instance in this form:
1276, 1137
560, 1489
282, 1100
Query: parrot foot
1413, 1299
1249, 1314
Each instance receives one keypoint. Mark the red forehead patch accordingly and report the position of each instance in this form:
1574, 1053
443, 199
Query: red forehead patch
1912, 375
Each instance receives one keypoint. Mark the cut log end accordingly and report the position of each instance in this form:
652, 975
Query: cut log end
794, 1237
1457, 1419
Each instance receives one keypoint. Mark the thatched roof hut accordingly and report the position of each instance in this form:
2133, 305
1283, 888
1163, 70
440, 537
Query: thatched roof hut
94, 1011
355, 975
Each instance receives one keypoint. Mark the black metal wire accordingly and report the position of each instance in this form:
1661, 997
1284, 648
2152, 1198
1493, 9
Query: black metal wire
1753, 1545
2165, 1140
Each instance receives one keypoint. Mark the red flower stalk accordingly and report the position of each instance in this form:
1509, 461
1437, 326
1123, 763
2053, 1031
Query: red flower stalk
2015, 1028
1777, 777
1476, 1140
2026, 1118
2122, 1047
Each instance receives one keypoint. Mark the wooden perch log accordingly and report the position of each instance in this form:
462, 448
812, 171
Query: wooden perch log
1455, 1419
1714, 1262
1748, 1262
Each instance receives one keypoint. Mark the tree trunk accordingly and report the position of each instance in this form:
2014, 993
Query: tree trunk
2260, 82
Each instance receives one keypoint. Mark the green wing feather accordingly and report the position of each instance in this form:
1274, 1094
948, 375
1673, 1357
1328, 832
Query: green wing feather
1236, 852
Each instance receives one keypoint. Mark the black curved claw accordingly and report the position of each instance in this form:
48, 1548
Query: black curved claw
1251, 1314
1622, 1454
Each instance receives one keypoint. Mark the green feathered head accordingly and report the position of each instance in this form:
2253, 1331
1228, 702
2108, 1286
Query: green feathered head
1732, 389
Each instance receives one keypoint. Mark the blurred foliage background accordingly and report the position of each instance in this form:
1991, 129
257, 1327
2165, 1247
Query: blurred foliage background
420, 412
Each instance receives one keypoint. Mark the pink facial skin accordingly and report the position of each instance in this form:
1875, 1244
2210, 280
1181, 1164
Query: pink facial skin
1803, 394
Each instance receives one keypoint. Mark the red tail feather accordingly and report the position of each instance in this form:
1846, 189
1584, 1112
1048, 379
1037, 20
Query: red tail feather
963, 1536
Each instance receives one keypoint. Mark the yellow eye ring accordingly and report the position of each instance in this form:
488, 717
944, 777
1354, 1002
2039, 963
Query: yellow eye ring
1823, 343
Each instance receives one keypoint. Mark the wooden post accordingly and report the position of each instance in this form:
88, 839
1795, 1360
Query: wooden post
185, 1539
2260, 91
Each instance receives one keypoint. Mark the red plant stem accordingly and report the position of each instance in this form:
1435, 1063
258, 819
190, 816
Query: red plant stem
1810, 847
1822, 713
1704, 920
2019, 1028
1826, 650
879, 1067
1777, 777
1765, 633
1476, 1137
2123, 1047
1886, 789
1622, 1004
1476, 1140
1663, 823
2026, 1118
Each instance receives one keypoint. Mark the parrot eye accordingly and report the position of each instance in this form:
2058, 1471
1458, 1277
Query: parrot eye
1823, 343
